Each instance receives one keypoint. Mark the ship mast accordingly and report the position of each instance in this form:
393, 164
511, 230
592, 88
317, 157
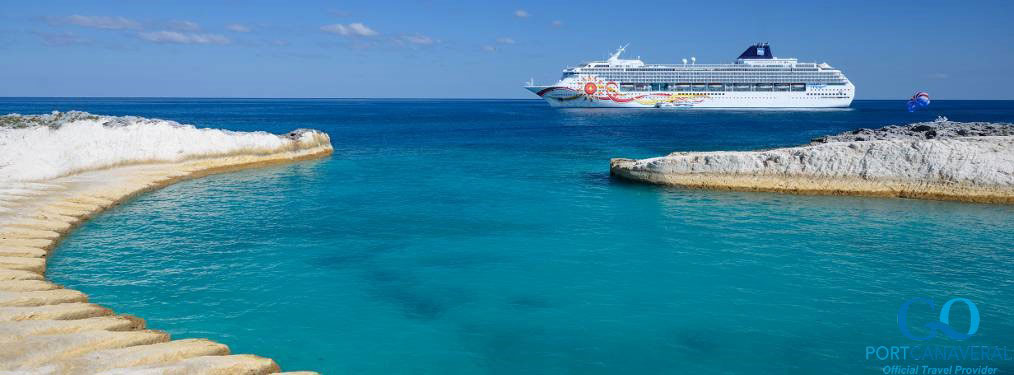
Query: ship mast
616, 55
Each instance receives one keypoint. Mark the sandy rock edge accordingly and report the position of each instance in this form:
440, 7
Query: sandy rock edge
804, 185
46, 329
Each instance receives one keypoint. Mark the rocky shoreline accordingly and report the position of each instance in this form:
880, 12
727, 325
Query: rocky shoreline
943, 160
47, 329
942, 128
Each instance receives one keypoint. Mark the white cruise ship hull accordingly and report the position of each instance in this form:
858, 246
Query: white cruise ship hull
812, 97
757, 79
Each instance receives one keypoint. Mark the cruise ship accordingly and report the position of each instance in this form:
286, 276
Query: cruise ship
757, 79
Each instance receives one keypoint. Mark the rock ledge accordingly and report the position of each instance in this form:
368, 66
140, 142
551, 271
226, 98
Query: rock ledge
46, 329
971, 162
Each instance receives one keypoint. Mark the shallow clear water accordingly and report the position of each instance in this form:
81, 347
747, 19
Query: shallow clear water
486, 237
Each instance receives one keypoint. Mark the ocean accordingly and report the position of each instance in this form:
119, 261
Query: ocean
486, 237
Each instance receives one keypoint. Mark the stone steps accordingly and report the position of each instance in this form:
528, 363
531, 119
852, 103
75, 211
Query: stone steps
35, 351
46, 329
15, 330
22, 251
63, 311
210, 365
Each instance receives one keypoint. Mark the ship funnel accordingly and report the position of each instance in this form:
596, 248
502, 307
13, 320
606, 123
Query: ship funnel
693, 60
684, 61
757, 51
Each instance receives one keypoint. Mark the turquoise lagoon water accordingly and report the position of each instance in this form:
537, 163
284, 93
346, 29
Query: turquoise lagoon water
486, 237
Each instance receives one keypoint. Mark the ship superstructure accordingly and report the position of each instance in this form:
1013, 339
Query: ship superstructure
757, 79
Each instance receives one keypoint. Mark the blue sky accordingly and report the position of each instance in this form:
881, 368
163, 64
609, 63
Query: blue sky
456, 49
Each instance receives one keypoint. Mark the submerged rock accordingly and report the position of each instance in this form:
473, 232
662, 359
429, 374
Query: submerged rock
924, 160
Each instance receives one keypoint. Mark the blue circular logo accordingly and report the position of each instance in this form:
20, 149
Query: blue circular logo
943, 324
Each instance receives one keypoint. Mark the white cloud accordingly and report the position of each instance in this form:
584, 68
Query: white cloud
360, 29
488, 48
521, 13
180, 25
352, 29
505, 40
239, 28
183, 38
61, 39
418, 39
557, 23
95, 22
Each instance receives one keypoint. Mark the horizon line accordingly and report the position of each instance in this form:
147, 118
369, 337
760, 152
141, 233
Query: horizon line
371, 98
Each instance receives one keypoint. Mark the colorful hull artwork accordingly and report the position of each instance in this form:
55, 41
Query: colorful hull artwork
608, 94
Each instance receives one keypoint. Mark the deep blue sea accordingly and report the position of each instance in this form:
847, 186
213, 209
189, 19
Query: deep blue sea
486, 237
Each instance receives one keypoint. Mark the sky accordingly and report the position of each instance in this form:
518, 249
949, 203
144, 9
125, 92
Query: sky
481, 49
